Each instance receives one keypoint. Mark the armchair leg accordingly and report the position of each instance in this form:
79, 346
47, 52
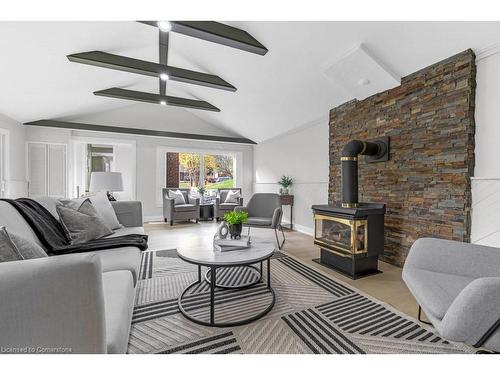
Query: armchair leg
171, 222
420, 316
280, 245
248, 233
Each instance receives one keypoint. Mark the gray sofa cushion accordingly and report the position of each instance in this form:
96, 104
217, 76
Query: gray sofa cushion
119, 293
15, 223
127, 230
435, 291
50, 204
83, 224
185, 207
8, 250
262, 221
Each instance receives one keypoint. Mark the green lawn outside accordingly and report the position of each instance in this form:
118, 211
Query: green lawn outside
218, 185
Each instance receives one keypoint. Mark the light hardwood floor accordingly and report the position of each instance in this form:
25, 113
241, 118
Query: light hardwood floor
387, 286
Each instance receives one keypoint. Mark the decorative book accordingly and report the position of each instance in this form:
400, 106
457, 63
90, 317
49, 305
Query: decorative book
222, 244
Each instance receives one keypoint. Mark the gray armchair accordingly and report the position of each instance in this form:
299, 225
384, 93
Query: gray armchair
220, 208
173, 212
264, 211
457, 285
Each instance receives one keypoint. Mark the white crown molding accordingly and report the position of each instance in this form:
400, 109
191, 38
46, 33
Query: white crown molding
488, 51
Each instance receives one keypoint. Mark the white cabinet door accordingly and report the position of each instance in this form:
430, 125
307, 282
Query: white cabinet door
46, 169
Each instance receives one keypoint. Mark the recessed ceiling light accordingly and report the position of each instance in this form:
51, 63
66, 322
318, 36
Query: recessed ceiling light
163, 102
364, 82
164, 76
164, 26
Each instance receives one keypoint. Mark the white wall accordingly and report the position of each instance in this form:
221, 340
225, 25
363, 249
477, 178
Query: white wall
486, 181
146, 147
16, 179
302, 155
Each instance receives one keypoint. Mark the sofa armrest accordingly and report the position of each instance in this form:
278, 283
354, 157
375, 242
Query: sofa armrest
55, 302
195, 201
475, 310
129, 213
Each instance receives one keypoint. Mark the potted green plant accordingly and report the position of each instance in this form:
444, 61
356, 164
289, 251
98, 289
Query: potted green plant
235, 219
285, 182
202, 190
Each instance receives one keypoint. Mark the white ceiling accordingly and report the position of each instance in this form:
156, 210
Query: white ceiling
278, 92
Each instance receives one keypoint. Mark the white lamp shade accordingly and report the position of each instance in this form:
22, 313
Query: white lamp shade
106, 181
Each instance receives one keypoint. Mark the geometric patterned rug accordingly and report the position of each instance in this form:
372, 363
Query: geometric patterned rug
313, 313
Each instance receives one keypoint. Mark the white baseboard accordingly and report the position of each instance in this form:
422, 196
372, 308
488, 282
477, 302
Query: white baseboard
301, 228
152, 218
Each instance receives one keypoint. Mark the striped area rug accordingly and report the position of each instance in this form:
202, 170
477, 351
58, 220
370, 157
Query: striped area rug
313, 313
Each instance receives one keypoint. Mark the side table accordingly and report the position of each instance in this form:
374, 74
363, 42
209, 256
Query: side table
287, 200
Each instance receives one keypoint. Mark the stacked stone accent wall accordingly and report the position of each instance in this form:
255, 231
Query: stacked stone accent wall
426, 183
172, 172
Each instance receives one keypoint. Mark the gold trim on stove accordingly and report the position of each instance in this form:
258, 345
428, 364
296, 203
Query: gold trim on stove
354, 226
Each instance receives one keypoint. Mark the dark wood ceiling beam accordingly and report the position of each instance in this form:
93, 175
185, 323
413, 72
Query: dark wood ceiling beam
146, 97
134, 131
216, 32
147, 68
163, 58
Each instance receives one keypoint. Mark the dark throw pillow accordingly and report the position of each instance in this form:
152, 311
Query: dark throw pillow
82, 224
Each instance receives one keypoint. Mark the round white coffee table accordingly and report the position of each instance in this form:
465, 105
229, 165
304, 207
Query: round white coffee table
259, 252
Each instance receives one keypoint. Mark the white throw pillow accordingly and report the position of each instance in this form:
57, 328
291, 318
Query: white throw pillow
102, 205
105, 209
177, 196
233, 196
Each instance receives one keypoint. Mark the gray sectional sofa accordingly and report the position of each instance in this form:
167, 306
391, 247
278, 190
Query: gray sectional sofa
78, 303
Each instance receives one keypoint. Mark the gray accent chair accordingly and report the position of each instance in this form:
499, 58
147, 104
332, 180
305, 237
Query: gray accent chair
264, 211
180, 212
457, 285
220, 208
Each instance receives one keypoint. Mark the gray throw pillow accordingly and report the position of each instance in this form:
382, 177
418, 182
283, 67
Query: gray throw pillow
27, 248
8, 251
82, 224
233, 196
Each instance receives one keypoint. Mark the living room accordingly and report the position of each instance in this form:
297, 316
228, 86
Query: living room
294, 186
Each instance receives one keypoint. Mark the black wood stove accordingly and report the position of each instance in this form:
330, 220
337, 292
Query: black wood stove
351, 234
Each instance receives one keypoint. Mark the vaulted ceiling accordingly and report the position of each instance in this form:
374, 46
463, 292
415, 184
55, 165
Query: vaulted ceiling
310, 68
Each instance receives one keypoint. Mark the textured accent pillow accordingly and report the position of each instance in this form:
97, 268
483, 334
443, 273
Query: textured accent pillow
8, 251
83, 224
28, 249
101, 203
233, 196
177, 196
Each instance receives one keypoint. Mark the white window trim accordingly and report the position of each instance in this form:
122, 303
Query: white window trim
161, 165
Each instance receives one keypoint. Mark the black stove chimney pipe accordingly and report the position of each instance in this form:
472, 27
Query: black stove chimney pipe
349, 162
